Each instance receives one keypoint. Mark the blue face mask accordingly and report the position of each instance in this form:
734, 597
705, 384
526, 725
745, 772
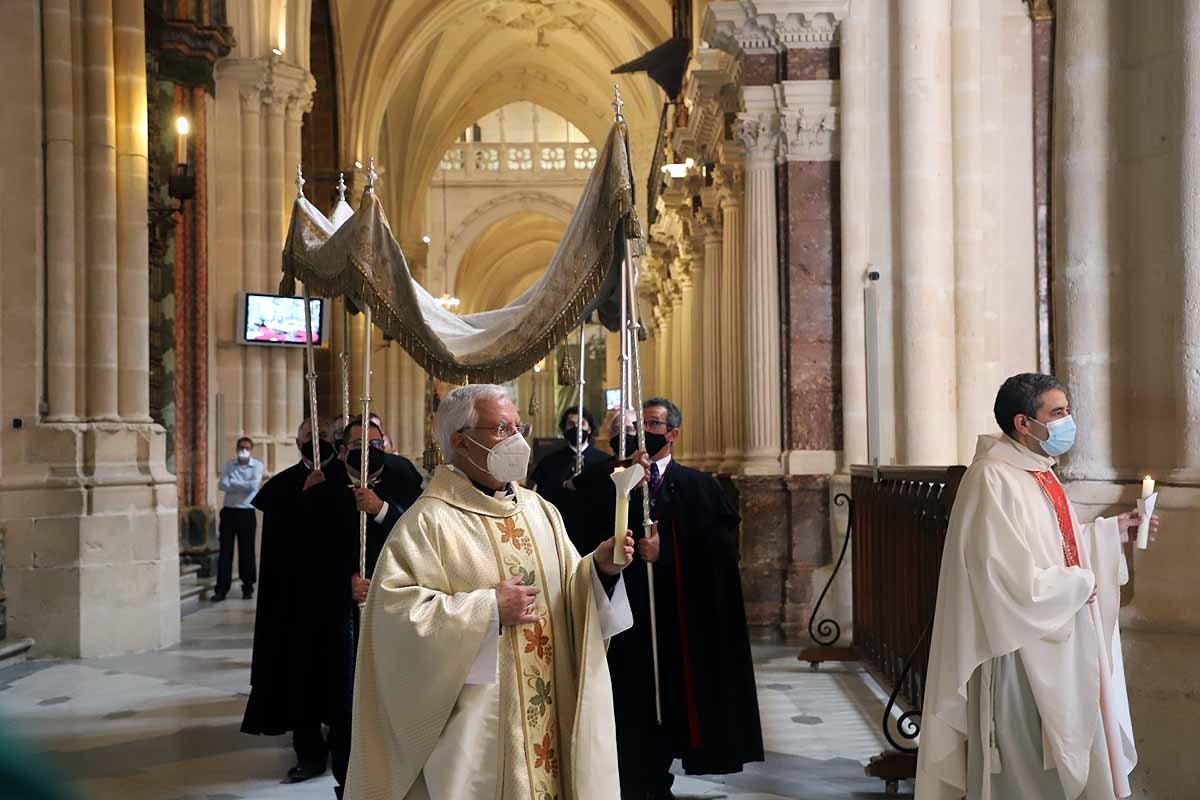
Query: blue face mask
1062, 435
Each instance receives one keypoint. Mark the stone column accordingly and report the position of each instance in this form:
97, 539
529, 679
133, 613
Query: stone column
730, 183
392, 418
1188, 393
59, 89
676, 322
759, 131
133, 236
686, 327
1082, 252
926, 251
666, 347
297, 391
274, 175
100, 176
546, 424
694, 410
976, 394
711, 382
855, 233
254, 416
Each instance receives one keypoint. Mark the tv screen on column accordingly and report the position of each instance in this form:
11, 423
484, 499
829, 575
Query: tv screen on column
274, 319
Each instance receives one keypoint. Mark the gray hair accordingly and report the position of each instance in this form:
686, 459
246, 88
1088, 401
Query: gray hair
322, 432
674, 415
456, 411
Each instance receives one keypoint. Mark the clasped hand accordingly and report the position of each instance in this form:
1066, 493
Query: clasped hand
1130, 520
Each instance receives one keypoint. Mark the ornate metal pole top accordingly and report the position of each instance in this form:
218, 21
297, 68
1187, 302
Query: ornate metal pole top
618, 103
372, 175
299, 180
341, 187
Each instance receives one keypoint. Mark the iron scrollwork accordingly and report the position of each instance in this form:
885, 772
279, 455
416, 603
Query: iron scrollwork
828, 631
908, 724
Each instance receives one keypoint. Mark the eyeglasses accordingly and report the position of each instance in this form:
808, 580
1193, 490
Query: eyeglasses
356, 444
656, 424
502, 431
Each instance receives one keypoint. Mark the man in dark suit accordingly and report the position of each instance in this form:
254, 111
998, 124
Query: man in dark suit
393, 483
709, 700
551, 477
294, 627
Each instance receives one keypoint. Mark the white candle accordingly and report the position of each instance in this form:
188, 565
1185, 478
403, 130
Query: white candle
181, 137
620, 525
1146, 510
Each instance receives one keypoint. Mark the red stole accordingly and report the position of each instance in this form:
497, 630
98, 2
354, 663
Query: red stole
1058, 498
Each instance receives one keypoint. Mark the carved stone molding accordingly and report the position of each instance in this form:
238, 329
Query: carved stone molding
709, 93
810, 120
769, 26
761, 134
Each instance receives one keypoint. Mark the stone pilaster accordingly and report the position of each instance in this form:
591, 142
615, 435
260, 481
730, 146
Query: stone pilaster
709, 367
730, 182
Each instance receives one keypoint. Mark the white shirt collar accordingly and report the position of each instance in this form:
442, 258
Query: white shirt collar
571, 445
663, 463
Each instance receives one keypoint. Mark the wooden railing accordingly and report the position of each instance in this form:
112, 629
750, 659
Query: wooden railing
898, 520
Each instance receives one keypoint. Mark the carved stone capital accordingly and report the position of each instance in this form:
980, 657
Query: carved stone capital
761, 134
730, 182
1040, 10
770, 26
810, 120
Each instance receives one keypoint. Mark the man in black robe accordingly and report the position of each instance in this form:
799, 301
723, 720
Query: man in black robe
709, 701
294, 626
394, 483
551, 477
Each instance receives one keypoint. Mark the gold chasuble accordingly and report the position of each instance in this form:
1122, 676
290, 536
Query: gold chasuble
446, 709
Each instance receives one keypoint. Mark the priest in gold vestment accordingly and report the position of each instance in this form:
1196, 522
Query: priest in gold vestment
481, 662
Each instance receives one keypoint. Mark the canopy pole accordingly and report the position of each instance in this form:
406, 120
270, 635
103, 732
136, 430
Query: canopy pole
579, 416
311, 376
344, 356
635, 328
365, 461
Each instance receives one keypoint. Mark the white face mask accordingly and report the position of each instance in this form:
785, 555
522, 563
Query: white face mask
243, 455
507, 461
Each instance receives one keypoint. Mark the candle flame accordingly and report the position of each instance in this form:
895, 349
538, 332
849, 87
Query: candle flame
181, 126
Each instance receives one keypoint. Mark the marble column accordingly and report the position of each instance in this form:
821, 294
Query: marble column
976, 392
254, 416
59, 99
274, 177
926, 250
133, 236
760, 297
1083, 147
855, 232
1188, 393
730, 183
686, 395
711, 383
694, 410
100, 177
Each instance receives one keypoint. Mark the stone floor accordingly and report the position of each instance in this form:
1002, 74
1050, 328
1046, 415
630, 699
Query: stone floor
164, 725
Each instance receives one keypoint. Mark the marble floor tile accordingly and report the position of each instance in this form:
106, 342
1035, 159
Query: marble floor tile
165, 725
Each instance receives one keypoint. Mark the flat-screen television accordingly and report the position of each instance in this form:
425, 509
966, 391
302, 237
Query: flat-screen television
612, 399
273, 319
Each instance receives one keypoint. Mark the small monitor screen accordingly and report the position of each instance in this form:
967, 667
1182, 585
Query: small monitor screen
612, 399
271, 319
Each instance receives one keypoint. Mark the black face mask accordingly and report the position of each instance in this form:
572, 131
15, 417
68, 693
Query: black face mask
326, 451
572, 435
631, 444
655, 442
376, 458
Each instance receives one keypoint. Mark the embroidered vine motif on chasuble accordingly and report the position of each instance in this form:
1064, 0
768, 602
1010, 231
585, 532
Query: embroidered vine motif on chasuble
533, 655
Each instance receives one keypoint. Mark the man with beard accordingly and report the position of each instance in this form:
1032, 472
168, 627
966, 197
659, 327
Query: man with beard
551, 477
709, 702
294, 623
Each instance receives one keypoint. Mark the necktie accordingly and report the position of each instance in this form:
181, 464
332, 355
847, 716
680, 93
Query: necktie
655, 477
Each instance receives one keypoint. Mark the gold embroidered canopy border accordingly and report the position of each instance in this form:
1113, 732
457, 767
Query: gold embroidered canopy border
358, 257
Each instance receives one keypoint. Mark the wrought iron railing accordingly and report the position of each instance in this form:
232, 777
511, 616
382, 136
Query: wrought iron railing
483, 161
898, 520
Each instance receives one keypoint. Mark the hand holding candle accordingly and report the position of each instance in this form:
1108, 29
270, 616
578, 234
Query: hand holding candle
625, 479
1145, 507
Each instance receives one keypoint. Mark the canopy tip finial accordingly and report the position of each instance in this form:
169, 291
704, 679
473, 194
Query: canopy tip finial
372, 175
341, 187
618, 103
300, 180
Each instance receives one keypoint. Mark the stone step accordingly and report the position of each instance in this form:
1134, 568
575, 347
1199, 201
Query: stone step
14, 651
188, 570
192, 592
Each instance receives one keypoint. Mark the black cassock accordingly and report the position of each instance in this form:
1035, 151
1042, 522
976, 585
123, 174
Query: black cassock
298, 647
709, 701
556, 469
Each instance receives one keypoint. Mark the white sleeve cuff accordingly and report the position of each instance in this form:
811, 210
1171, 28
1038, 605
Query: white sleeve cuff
485, 670
615, 614
382, 514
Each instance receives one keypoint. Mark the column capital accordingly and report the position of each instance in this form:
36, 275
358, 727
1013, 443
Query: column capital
810, 120
761, 134
1040, 10
729, 180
